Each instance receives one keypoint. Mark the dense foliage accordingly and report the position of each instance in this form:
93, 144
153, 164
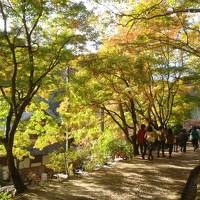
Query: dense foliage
51, 86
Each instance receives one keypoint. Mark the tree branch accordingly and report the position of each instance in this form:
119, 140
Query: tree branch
12, 49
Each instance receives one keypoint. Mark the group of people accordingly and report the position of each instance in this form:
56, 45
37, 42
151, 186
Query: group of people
182, 138
150, 140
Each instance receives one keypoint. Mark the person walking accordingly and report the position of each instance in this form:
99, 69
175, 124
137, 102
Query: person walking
141, 139
170, 141
183, 138
151, 137
195, 138
161, 141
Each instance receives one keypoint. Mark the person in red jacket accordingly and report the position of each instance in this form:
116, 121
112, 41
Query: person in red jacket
141, 140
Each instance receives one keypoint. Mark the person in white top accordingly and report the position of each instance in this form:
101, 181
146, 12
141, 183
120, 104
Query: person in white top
161, 141
151, 137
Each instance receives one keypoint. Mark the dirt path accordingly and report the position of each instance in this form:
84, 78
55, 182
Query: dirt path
160, 179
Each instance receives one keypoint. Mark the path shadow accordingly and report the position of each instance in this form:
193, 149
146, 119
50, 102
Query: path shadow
160, 179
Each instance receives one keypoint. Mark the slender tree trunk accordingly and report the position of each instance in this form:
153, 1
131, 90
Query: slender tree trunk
102, 123
135, 146
124, 123
16, 178
66, 150
134, 119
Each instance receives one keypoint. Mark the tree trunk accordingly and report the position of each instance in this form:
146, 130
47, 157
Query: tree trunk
124, 123
102, 122
134, 119
135, 146
190, 189
16, 178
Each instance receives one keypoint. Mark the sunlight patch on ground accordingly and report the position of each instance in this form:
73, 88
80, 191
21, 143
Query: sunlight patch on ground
172, 196
166, 179
175, 167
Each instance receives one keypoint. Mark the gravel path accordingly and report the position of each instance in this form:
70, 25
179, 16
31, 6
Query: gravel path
160, 179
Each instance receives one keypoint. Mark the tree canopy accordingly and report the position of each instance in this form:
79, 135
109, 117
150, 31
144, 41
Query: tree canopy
146, 71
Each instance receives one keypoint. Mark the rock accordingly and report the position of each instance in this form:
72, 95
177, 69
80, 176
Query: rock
8, 189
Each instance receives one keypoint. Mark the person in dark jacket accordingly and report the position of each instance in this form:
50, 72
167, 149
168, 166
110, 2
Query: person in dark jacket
195, 138
170, 141
183, 140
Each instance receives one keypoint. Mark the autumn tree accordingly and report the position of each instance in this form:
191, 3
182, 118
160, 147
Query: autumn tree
36, 37
135, 83
173, 24
162, 26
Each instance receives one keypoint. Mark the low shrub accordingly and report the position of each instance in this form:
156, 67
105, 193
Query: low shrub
5, 196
